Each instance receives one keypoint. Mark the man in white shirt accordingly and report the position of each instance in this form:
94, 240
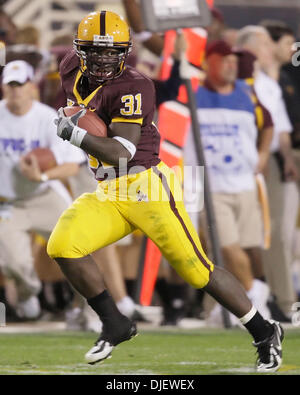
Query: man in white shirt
257, 40
29, 199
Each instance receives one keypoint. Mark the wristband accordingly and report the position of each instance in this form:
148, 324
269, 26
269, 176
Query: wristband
77, 136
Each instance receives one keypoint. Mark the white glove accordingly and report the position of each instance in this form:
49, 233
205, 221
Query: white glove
67, 128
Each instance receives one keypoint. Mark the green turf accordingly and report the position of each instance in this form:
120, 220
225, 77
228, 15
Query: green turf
169, 352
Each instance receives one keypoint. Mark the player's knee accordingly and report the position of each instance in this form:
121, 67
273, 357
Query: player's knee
199, 281
197, 278
54, 249
66, 237
61, 246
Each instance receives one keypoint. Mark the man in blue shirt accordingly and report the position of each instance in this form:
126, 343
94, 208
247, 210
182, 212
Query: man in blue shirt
228, 123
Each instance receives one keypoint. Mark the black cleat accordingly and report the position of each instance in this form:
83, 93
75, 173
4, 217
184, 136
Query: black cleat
104, 346
270, 351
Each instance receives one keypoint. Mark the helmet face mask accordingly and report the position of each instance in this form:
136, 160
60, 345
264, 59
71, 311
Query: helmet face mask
103, 43
101, 64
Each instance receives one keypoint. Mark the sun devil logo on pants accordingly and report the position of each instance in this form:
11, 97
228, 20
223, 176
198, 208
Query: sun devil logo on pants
142, 197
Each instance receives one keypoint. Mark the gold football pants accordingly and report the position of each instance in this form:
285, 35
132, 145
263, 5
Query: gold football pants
151, 201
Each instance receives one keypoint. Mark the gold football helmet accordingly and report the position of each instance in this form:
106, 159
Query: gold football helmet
102, 43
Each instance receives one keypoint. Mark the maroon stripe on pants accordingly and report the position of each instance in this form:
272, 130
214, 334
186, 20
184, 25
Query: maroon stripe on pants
178, 216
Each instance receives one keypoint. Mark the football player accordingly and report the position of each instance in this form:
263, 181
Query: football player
135, 191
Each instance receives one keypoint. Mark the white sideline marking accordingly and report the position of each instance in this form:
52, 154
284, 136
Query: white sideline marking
33, 327
243, 369
80, 369
193, 363
43, 372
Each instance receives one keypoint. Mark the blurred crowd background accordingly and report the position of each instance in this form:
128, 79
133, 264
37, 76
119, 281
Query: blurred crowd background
248, 43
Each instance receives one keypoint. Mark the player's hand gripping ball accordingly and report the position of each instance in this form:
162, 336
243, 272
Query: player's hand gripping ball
89, 121
74, 122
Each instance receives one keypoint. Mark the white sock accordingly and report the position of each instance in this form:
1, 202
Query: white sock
257, 288
126, 306
258, 295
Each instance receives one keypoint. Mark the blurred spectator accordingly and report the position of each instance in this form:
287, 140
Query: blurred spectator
216, 27
248, 68
147, 46
284, 38
27, 48
28, 35
257, 40
7, 33
8, 29
228, 125
51, 90
152, 41
230, 36
294, 76
168, 90
30, 200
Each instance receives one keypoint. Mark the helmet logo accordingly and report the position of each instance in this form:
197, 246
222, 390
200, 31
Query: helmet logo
105, 39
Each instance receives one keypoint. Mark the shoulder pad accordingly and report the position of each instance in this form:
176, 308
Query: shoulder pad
69, 63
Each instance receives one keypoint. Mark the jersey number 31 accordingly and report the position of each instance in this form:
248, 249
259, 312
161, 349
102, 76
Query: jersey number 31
133, 105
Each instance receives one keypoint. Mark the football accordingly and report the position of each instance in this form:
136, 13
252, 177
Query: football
44, 156
90, 121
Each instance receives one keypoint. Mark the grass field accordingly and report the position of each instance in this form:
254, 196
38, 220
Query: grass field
179, 352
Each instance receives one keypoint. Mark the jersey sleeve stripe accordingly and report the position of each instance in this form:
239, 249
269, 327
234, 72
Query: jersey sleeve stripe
120, 119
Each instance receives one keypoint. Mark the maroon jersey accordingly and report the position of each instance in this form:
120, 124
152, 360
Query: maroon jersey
128, 98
